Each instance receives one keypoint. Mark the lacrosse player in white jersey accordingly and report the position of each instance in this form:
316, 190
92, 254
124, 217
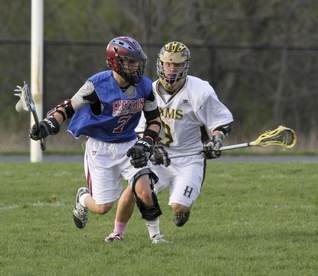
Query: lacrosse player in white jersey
187, 106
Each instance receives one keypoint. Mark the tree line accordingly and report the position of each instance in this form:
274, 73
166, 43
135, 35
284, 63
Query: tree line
260, 56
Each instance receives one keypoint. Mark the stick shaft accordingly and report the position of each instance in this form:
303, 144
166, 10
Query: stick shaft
37, 123
32, 108
236, 146
185, 155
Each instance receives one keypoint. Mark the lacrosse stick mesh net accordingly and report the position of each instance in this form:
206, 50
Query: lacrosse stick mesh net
281, 136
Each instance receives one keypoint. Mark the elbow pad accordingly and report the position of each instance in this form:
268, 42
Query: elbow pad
65, 109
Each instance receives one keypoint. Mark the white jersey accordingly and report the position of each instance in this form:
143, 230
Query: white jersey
182, 115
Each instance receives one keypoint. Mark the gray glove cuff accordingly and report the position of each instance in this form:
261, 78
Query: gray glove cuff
217, 140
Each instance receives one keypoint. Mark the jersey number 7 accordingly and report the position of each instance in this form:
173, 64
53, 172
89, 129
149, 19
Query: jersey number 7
122, 121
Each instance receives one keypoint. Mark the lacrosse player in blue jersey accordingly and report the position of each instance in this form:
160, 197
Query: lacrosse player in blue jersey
107, 109
187, 105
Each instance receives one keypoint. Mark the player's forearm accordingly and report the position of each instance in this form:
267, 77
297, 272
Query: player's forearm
154, 125
219, 133
153, 129
224, 129
62, 112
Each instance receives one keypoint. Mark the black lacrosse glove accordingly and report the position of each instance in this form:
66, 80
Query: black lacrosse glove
211, 150
48, 126
140, 152
160, 156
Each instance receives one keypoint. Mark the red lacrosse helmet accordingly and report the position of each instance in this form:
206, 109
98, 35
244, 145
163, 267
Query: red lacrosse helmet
125, 56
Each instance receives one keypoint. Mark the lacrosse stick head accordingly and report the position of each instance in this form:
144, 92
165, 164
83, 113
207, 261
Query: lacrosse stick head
281, 136
25, 103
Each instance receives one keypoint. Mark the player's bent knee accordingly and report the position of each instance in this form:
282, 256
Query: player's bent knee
147, 212
103, 208
181, 218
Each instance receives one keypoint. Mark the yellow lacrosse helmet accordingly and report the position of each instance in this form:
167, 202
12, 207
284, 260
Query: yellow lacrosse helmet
173, 65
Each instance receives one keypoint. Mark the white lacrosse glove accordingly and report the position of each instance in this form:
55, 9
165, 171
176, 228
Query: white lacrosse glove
211, 149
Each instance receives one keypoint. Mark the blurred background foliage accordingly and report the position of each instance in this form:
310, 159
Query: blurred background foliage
260, 56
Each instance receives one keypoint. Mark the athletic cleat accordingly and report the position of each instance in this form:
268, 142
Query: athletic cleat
181, 218
80, 213
158, 238
113, 237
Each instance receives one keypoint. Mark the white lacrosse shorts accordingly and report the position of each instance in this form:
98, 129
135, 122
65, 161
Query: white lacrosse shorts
184, 178
106, 166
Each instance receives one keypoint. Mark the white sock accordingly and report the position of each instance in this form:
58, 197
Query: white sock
153, 227
82, 199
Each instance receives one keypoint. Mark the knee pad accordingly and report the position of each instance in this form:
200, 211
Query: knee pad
153, 177
181, 218
147, 212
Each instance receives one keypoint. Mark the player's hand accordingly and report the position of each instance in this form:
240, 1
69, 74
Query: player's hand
160, 156
48, 126
211, 150
140, 152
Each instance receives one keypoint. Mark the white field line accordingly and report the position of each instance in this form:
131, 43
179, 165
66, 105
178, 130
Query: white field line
37, 204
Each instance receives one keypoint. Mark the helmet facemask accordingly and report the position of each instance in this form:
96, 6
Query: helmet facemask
173, 65
130, 69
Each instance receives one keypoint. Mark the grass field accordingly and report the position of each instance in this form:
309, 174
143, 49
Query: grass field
251, 219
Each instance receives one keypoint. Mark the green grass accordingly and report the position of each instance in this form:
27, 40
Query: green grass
251, 219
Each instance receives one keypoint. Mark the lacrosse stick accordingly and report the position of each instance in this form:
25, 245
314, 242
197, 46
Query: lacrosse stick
26, 103
281, 136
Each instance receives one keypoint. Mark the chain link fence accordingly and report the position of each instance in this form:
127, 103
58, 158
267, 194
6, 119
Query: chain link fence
262, 85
